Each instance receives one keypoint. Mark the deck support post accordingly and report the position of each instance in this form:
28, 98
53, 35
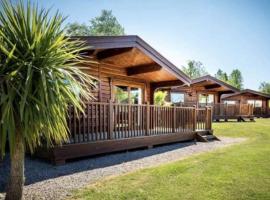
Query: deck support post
207, 118
194, 118
251, 109
174, 119
147, 118
110, 120
240, 109
225, 112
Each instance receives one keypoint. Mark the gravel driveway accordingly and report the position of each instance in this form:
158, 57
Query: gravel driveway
45, 181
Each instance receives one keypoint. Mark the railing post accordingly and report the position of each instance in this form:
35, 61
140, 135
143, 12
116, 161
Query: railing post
194, 118
206, 118
110, 120
147, 118
240, 108
174, 119
225, 110
251, 109
129, 117
210, 119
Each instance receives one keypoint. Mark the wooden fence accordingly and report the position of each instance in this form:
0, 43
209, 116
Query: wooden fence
111, 121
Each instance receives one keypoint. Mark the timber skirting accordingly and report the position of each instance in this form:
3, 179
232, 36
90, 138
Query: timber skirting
59, 154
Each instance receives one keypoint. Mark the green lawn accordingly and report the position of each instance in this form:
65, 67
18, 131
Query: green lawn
241, 171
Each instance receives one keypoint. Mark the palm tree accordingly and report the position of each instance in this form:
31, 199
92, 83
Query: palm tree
40, 76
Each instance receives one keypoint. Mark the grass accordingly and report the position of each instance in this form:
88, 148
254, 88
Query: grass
241, 171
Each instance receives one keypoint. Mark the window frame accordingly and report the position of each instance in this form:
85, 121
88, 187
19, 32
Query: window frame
254, 102
207, 97
129, 85
181, 93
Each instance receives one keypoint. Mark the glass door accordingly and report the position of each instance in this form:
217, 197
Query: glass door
128, 94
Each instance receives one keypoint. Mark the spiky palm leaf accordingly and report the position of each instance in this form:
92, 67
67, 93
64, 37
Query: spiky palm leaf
40, 76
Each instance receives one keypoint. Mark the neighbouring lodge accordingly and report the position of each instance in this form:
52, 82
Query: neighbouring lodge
226, 101
206, 90
209, 91
259, 101
123, 115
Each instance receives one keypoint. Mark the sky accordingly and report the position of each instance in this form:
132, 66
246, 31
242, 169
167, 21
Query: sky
225, 34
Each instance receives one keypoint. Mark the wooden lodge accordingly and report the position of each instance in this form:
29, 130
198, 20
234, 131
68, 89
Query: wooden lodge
205, 90
259, 101
123, 115
209, 91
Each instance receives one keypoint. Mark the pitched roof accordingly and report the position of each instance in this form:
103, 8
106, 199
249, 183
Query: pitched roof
248, 91
215, 80
107, 42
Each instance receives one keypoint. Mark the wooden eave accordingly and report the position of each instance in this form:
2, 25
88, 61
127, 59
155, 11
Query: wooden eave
97, 43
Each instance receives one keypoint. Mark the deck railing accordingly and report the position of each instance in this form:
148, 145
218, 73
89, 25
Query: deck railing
232, 110
261, 112
226, 111
111, 121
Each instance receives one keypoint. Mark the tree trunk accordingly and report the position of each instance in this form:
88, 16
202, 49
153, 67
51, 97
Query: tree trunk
16, 181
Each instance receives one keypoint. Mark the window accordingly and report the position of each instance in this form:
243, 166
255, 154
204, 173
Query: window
136, 95
258, 103
127, 94
206, 98
121, 94
230, 102
177, 97
255, 103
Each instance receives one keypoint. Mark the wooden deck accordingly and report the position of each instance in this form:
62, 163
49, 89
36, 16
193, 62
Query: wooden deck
233, 111
110, 127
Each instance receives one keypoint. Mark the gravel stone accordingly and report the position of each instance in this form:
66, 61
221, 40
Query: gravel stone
45, 181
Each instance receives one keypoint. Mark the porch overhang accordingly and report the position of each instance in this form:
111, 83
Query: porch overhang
136, 57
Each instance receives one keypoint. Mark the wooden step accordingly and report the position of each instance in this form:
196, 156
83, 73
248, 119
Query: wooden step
210, 137
206, 138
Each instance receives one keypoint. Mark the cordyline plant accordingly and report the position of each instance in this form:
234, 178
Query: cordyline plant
40, 76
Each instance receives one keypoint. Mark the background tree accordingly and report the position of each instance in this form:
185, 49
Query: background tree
121, 96
194, 69
76, 29
104, 25
39, 70
160, 98
236, 79
221, 75
265, 87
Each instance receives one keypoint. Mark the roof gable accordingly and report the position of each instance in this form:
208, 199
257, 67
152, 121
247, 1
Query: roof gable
249, 91
215, 80
110, 42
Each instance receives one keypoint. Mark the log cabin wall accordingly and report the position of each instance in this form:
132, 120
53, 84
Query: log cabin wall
192, 94
108, 76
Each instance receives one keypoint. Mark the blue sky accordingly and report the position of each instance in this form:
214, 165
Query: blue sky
224, 34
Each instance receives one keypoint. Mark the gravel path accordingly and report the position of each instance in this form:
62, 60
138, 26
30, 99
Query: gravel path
45, 181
